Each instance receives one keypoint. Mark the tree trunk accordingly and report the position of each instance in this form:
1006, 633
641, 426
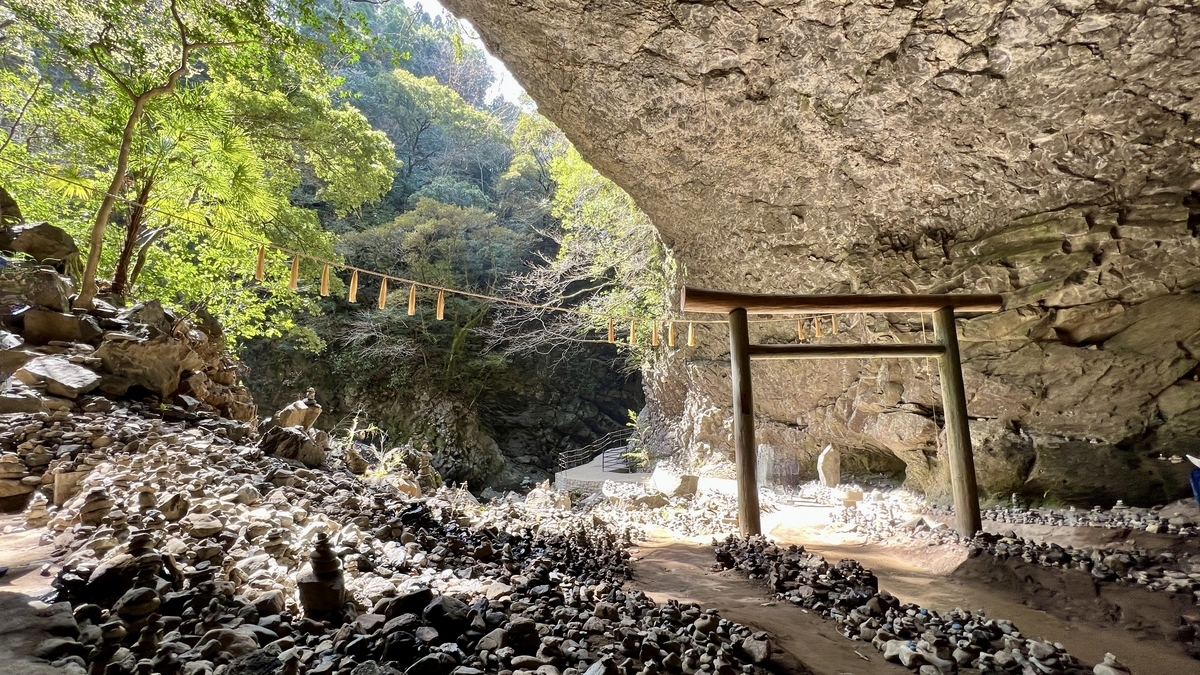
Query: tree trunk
120, 283
88, 289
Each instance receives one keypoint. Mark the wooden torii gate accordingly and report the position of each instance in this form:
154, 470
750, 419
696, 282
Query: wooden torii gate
943, 307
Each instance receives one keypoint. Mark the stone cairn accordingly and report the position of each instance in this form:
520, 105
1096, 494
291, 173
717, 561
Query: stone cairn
179, 553
322, 588
896, 518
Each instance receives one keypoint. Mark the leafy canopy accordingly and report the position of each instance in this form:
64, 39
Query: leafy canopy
252, 137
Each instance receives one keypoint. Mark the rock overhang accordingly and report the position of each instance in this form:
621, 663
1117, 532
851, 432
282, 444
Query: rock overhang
1044, 151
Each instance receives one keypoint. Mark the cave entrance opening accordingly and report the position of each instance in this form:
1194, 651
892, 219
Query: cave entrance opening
945, 348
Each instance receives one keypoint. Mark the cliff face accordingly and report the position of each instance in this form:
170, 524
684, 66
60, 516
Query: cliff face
1047, 151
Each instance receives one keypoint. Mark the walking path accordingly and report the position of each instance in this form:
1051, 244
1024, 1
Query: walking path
591, 476
1126, 621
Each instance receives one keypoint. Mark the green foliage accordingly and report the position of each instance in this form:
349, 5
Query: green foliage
427, 46
439, 244
435, 132
636, 455
250, 124
606, 237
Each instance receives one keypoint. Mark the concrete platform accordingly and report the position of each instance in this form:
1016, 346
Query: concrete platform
590, 477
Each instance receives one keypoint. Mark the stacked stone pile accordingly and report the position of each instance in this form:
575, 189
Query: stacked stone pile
1156, 571
51, 452
55, 358
184, 552
1181, 518
919, 638
891, 521
643, 506
893, 515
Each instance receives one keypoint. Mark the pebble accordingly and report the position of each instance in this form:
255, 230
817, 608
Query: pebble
916, 637
183, 552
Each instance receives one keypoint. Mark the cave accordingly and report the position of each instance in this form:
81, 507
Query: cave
1042, 151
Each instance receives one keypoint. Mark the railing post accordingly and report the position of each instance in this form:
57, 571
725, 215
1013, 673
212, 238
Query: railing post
958, 435
743, 424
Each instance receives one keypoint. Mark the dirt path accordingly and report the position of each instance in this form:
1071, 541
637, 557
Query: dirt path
937, 577
665, 568
20, 628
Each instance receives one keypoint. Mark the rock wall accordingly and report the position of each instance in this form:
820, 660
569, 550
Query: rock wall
514, 430
1047, 151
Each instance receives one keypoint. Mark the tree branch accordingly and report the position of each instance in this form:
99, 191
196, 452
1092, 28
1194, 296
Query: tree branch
12, 131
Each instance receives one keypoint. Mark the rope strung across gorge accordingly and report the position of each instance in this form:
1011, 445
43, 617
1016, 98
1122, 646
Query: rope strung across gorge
327, 266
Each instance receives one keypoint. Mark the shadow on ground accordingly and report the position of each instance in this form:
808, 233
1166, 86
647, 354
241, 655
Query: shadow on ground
1059, 605
21, 629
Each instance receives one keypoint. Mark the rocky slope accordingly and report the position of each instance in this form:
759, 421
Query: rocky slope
1044, 151
186, 552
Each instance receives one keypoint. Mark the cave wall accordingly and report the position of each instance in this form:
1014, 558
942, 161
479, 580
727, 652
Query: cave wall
1047, 151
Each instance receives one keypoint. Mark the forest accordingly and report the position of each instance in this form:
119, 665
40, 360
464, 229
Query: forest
169, 135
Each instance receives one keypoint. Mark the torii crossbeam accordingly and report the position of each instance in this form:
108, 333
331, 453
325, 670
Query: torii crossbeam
741, 352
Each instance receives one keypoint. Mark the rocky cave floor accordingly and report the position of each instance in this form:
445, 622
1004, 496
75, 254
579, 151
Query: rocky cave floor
156, 545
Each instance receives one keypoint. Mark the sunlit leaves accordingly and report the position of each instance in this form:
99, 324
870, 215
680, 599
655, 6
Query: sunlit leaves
252, 120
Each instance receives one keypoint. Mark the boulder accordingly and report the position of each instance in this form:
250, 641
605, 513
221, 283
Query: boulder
544, 498
756, 648
66, 484
650, 501
12, 359
43, 326
237, 643
37, 286
155, 364
20, 403
13, 488
60, 376
57, 647
41, 241
152, 314
174, 507
136, 604
10, 211
302, 413
270, 602
293, 443
202, 524
674, 485
449, 615
829, 466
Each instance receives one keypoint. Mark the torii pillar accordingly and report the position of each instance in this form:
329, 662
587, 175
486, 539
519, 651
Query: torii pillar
943, 307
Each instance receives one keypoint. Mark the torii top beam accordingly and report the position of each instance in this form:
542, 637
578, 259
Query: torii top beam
706, 301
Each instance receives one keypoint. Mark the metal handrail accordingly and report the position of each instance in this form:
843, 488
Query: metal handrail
570, 459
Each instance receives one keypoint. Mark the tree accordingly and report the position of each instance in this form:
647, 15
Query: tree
143, 50
610, 262
526, 189
435, 132
443, 245
427, 46
228, 150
